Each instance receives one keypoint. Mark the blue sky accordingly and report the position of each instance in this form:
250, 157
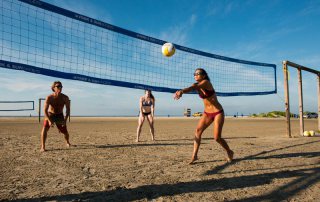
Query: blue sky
263, 31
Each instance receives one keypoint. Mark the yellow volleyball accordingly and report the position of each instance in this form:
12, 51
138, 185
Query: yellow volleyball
168, 49
306, 133
312, 133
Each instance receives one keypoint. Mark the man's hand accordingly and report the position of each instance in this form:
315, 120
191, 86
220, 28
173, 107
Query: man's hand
51, 124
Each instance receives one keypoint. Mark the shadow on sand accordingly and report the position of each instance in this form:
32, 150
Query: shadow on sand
206, 138
109, 146
303, 178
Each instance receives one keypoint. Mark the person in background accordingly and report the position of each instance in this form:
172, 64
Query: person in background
53, 111
146, 104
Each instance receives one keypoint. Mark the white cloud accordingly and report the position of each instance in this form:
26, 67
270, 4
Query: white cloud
310, 61
313, 7
220, 8
21, 84
84, 8
193, 19
179, 34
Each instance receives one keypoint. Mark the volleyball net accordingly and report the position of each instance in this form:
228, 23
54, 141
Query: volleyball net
7, 106
41, 38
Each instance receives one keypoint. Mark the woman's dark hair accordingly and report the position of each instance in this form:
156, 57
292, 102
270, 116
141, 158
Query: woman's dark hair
204, 73
150, 94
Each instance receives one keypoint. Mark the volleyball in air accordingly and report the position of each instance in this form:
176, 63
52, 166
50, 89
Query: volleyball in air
168, 49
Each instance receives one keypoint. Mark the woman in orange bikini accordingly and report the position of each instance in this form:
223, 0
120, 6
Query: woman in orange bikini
147, 104
213, 112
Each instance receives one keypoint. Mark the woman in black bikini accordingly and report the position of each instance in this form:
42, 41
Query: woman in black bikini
147, 103
213, 112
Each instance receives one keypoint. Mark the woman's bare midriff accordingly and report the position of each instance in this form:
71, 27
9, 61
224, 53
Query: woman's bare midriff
211, 104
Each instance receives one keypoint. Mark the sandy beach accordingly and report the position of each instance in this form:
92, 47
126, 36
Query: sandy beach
107, 165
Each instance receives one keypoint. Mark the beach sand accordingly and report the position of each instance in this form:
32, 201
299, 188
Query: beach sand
107, 165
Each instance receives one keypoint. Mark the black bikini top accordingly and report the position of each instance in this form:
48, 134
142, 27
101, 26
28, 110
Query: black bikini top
147, 103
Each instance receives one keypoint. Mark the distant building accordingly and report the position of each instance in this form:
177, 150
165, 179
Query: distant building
187, 112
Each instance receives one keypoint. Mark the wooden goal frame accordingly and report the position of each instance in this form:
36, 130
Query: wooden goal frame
300, 68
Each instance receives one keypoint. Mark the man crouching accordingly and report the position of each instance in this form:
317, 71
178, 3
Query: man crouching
53, 111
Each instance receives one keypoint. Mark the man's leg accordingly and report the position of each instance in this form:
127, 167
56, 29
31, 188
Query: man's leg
64, 131
44, 133
66, 137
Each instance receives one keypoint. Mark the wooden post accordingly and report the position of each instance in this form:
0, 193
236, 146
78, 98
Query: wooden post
300, 101
286, 93
70, 111
318, 102
39, 109
286, 89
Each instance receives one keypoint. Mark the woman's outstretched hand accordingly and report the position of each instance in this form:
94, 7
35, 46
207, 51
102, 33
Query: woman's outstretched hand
178, 95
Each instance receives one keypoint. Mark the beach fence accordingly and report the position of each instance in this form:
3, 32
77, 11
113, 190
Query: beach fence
300, 68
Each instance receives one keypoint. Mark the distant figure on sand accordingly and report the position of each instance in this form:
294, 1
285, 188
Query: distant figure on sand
53, 111
147, 104
213, 112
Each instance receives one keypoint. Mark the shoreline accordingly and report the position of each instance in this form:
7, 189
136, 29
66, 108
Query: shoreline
136, 117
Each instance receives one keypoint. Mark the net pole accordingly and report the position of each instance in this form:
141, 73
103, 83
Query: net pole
318, 102
39, 110
70, 111
300, 101
286, 94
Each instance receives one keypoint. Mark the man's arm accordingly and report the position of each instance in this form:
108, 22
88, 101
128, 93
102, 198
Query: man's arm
45, 109
67, 103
